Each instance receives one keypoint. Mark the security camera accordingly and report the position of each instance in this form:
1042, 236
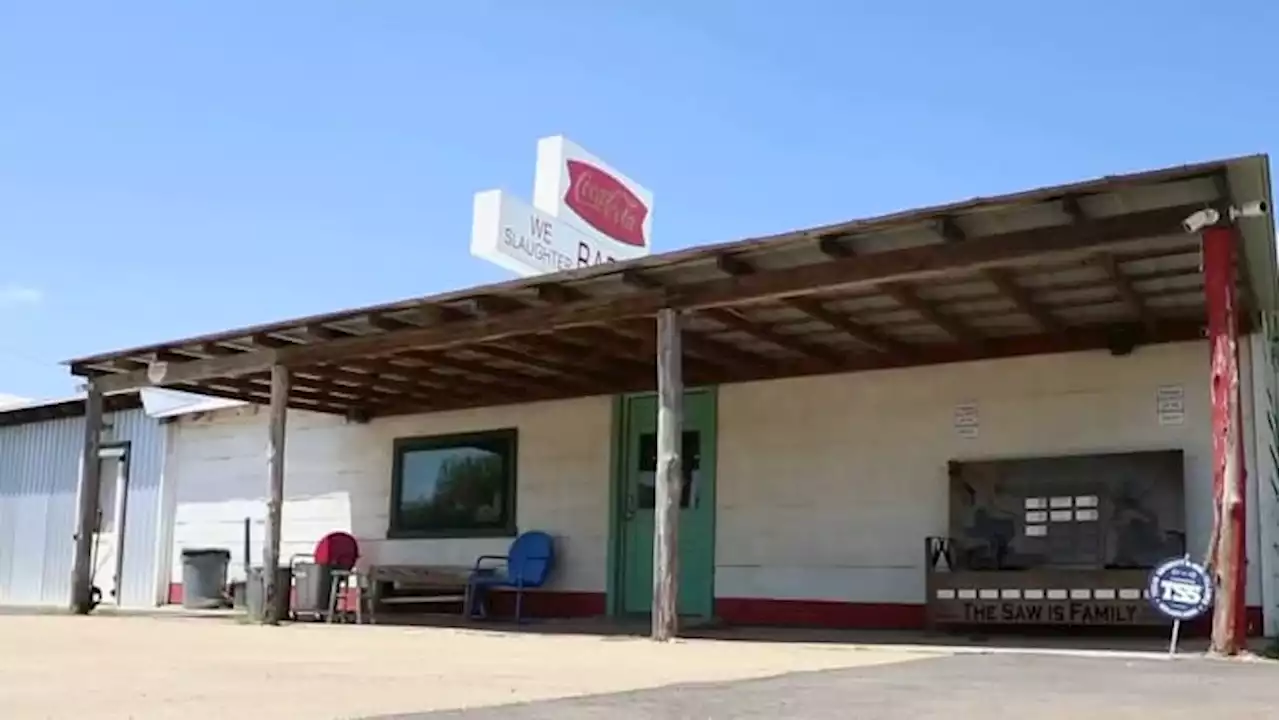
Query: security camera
1257, 208
1200, 220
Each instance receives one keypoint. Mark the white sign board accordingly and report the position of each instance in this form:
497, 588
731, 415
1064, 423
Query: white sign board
584, 213
965, 420
1171, 405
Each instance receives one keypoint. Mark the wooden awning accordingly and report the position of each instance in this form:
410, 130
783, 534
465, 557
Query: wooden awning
1098, 265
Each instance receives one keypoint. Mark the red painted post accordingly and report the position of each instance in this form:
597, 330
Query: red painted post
1227, 553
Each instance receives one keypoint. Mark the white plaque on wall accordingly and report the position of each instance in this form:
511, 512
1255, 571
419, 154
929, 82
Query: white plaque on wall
965, 420
1171, 406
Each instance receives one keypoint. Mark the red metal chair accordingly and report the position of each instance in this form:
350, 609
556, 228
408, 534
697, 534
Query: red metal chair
339, 552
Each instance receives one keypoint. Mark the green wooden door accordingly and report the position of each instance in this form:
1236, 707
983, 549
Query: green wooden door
697, 503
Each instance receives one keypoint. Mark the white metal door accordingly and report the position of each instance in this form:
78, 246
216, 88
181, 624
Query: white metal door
108, 540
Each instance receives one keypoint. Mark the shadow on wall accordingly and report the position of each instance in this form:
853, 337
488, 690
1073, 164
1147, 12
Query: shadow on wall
337, 477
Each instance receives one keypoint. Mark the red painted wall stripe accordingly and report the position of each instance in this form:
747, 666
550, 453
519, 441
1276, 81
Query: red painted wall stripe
764, 612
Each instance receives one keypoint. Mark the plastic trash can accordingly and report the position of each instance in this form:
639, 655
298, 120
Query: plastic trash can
204, 578
254, 592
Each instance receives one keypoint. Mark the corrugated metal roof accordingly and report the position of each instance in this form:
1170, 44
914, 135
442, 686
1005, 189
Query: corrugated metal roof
878, 292
985, 215
157, 403
7, 401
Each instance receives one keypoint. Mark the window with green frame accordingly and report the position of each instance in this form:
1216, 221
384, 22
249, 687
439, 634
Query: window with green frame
454, 485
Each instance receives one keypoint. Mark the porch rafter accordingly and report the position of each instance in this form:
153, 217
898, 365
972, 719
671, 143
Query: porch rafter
837, 299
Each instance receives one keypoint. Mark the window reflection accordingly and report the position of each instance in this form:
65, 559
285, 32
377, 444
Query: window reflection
454, 484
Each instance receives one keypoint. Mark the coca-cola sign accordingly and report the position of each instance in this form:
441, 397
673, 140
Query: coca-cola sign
585, 212
604, 203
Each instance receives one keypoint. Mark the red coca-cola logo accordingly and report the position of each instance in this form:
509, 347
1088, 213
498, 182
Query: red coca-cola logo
605, 203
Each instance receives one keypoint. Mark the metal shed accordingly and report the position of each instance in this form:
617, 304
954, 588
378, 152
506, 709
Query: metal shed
40, 449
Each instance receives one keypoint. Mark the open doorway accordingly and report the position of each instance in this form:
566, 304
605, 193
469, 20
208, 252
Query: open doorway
109, 526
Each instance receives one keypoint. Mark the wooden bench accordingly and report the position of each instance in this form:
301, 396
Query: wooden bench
422, 584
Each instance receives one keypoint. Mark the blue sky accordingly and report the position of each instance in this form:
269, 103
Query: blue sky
173, 168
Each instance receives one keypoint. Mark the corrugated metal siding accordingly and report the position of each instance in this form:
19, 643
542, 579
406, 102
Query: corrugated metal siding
37, 511
39, 467
143, 522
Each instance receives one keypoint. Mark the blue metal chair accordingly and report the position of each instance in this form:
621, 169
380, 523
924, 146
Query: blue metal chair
526, 565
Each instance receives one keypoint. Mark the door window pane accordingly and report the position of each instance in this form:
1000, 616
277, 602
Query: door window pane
647, 468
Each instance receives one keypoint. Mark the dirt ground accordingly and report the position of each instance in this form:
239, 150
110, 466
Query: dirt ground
193, 668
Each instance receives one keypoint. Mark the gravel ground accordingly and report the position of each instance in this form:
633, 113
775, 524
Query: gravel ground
106, 667
991, 687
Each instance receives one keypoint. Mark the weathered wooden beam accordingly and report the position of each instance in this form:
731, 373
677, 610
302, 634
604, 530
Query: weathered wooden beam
279, 410
1080, 339
949, 230
636, 354
385, 322
595, 364
834, 248
866, 335
566, 372
364, 383
370, 373
540, 349
632, 341
710, 349
1222, 186
215, 388
1073, 210
512, 381
193, 370
310, 384
733, 321
1129, 295
668, 480
87, 510
908, 298
558, 294
930, 261
1110, 263
904, 265
323, 333
252, 390
414, 379
1008, 286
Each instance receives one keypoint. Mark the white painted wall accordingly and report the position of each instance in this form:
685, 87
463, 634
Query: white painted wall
338, 477
828, 486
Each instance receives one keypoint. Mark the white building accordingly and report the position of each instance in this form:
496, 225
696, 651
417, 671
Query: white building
844, 377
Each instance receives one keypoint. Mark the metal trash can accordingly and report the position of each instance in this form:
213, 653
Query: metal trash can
312, 585
254, 592
204, 578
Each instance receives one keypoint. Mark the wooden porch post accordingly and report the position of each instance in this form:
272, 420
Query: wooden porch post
275, 494
668, 482
1227, 547
87, 506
